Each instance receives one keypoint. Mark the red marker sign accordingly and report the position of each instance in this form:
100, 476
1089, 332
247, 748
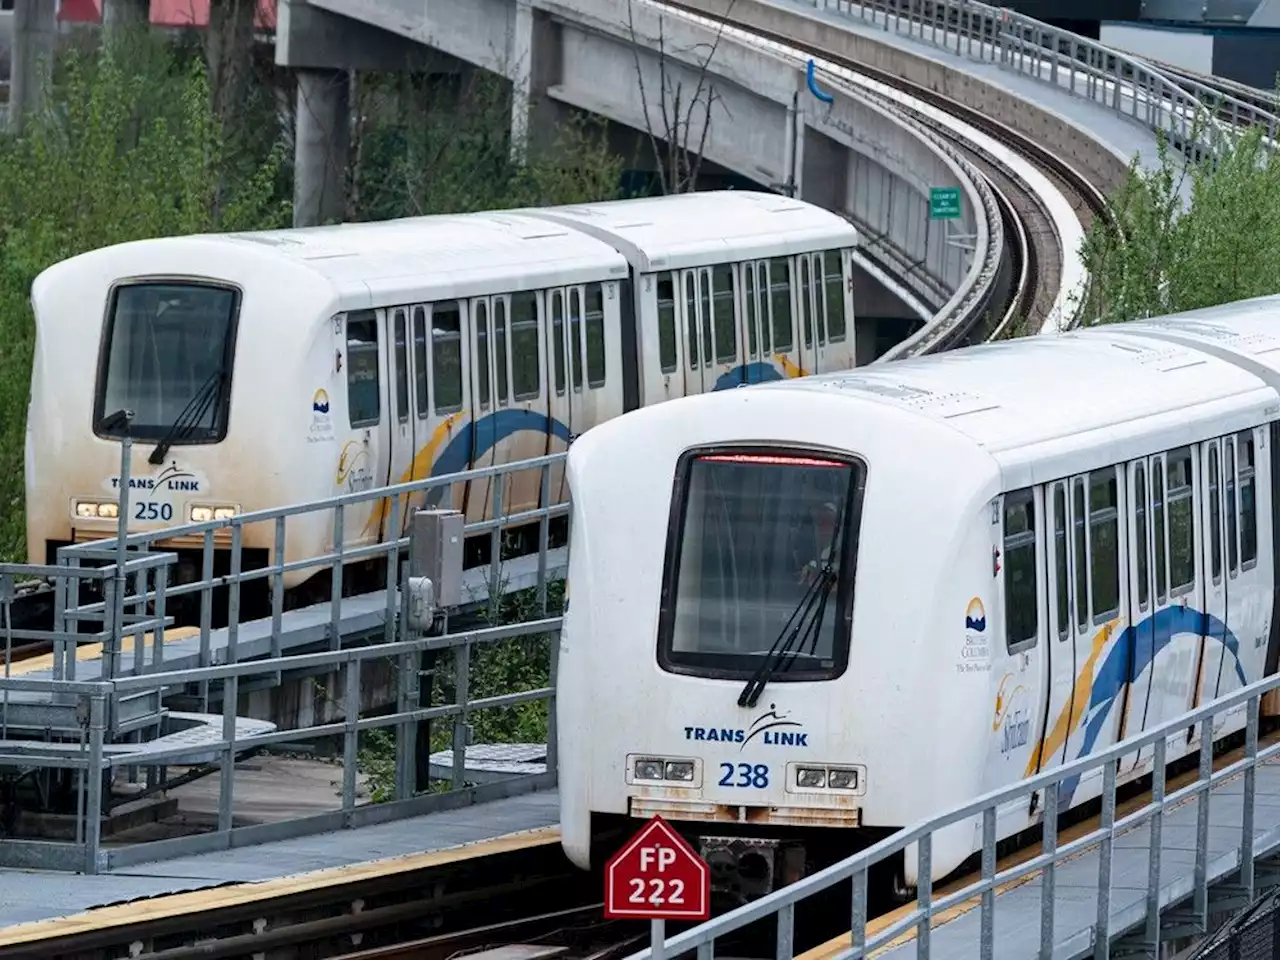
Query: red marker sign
657, 876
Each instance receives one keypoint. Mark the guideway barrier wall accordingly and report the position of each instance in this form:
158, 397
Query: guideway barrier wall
1194, 114
113, 717
1172, 907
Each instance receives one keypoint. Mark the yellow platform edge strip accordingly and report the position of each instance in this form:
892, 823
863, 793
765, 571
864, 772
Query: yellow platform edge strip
838, 945
169, 905
93, 651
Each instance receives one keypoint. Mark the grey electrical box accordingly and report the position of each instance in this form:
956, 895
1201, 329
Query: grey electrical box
435, 552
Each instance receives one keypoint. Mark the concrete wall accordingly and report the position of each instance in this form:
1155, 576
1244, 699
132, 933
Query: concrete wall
1098, 161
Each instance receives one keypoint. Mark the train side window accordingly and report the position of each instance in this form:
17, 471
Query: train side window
526, 375
402, 367
1215, 517
575, 337
806, 301
1157, 523
446, 356
1082, 554
691, 317
704, 302
1020, 602
1182, 557
1062, 585
480, 324
1104, 543
421, 382
364, 404
833, 284
1229, 471
1141, 548
766, 309
595, 336
667, 361
749, 309
724, 297
780, 301
557, 337
502, 391
1248, 504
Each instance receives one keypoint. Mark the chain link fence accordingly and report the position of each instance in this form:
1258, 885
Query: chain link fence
1252, 935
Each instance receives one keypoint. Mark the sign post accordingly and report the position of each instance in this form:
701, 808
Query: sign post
658, 877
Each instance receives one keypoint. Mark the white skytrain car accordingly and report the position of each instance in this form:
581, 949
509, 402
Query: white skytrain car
1021, 554
272, 368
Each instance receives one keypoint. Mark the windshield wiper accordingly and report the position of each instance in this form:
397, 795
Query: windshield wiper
818, 593
190, 415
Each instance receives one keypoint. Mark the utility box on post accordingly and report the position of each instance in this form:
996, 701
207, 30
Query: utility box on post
435, 552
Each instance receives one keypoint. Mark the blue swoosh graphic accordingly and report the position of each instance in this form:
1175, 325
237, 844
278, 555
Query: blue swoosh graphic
1149, 636
489, 432
747, 373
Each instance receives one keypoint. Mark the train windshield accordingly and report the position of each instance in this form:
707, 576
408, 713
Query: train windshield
762, 543
167, 357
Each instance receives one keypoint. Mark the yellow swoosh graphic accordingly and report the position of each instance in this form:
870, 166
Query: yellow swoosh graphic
419, 469
789, 368
1079, 701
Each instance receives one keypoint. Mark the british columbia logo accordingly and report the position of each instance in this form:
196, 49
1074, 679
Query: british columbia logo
975, 617
770, 728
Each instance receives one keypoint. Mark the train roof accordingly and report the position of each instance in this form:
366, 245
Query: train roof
434, 258
1107, 388
694, 229
410, 260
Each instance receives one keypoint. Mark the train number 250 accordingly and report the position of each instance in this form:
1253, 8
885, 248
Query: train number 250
748, 775
148, 510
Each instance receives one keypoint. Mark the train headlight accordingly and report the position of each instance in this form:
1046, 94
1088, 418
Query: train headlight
680, 770
647, 769
203, 513
811, 777
97, 509
843, 780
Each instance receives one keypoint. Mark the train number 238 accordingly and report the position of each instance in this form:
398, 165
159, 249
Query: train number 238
744, 775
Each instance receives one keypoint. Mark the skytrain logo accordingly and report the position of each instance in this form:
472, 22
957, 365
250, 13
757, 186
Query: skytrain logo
769, 728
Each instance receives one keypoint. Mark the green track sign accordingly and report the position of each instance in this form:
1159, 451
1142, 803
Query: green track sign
944, 203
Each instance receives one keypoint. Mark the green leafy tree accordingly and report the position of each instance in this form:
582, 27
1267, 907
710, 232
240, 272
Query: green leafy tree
1188, 234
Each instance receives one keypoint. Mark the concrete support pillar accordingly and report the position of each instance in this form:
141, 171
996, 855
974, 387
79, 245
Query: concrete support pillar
793, 161
520, 67
35, 33
322, 140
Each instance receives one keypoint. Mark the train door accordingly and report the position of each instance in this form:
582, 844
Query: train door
837, 288
754, 312
1017, 658
1251, 595
530, 397
1216, 581
812, 310
565, 402
1140, 571
787, 352
670, 356
695, 325
1177, 637
729, 351
483, 377
442, 372
362, 462
402, 419
1058, 717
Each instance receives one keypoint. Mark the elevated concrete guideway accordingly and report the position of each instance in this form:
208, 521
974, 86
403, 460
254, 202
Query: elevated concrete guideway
612, 59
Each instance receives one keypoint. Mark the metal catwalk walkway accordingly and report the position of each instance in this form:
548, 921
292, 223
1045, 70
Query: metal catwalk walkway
1100, 887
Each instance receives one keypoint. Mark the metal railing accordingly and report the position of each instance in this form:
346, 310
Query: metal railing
87, 729
1191, 112
781, 904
